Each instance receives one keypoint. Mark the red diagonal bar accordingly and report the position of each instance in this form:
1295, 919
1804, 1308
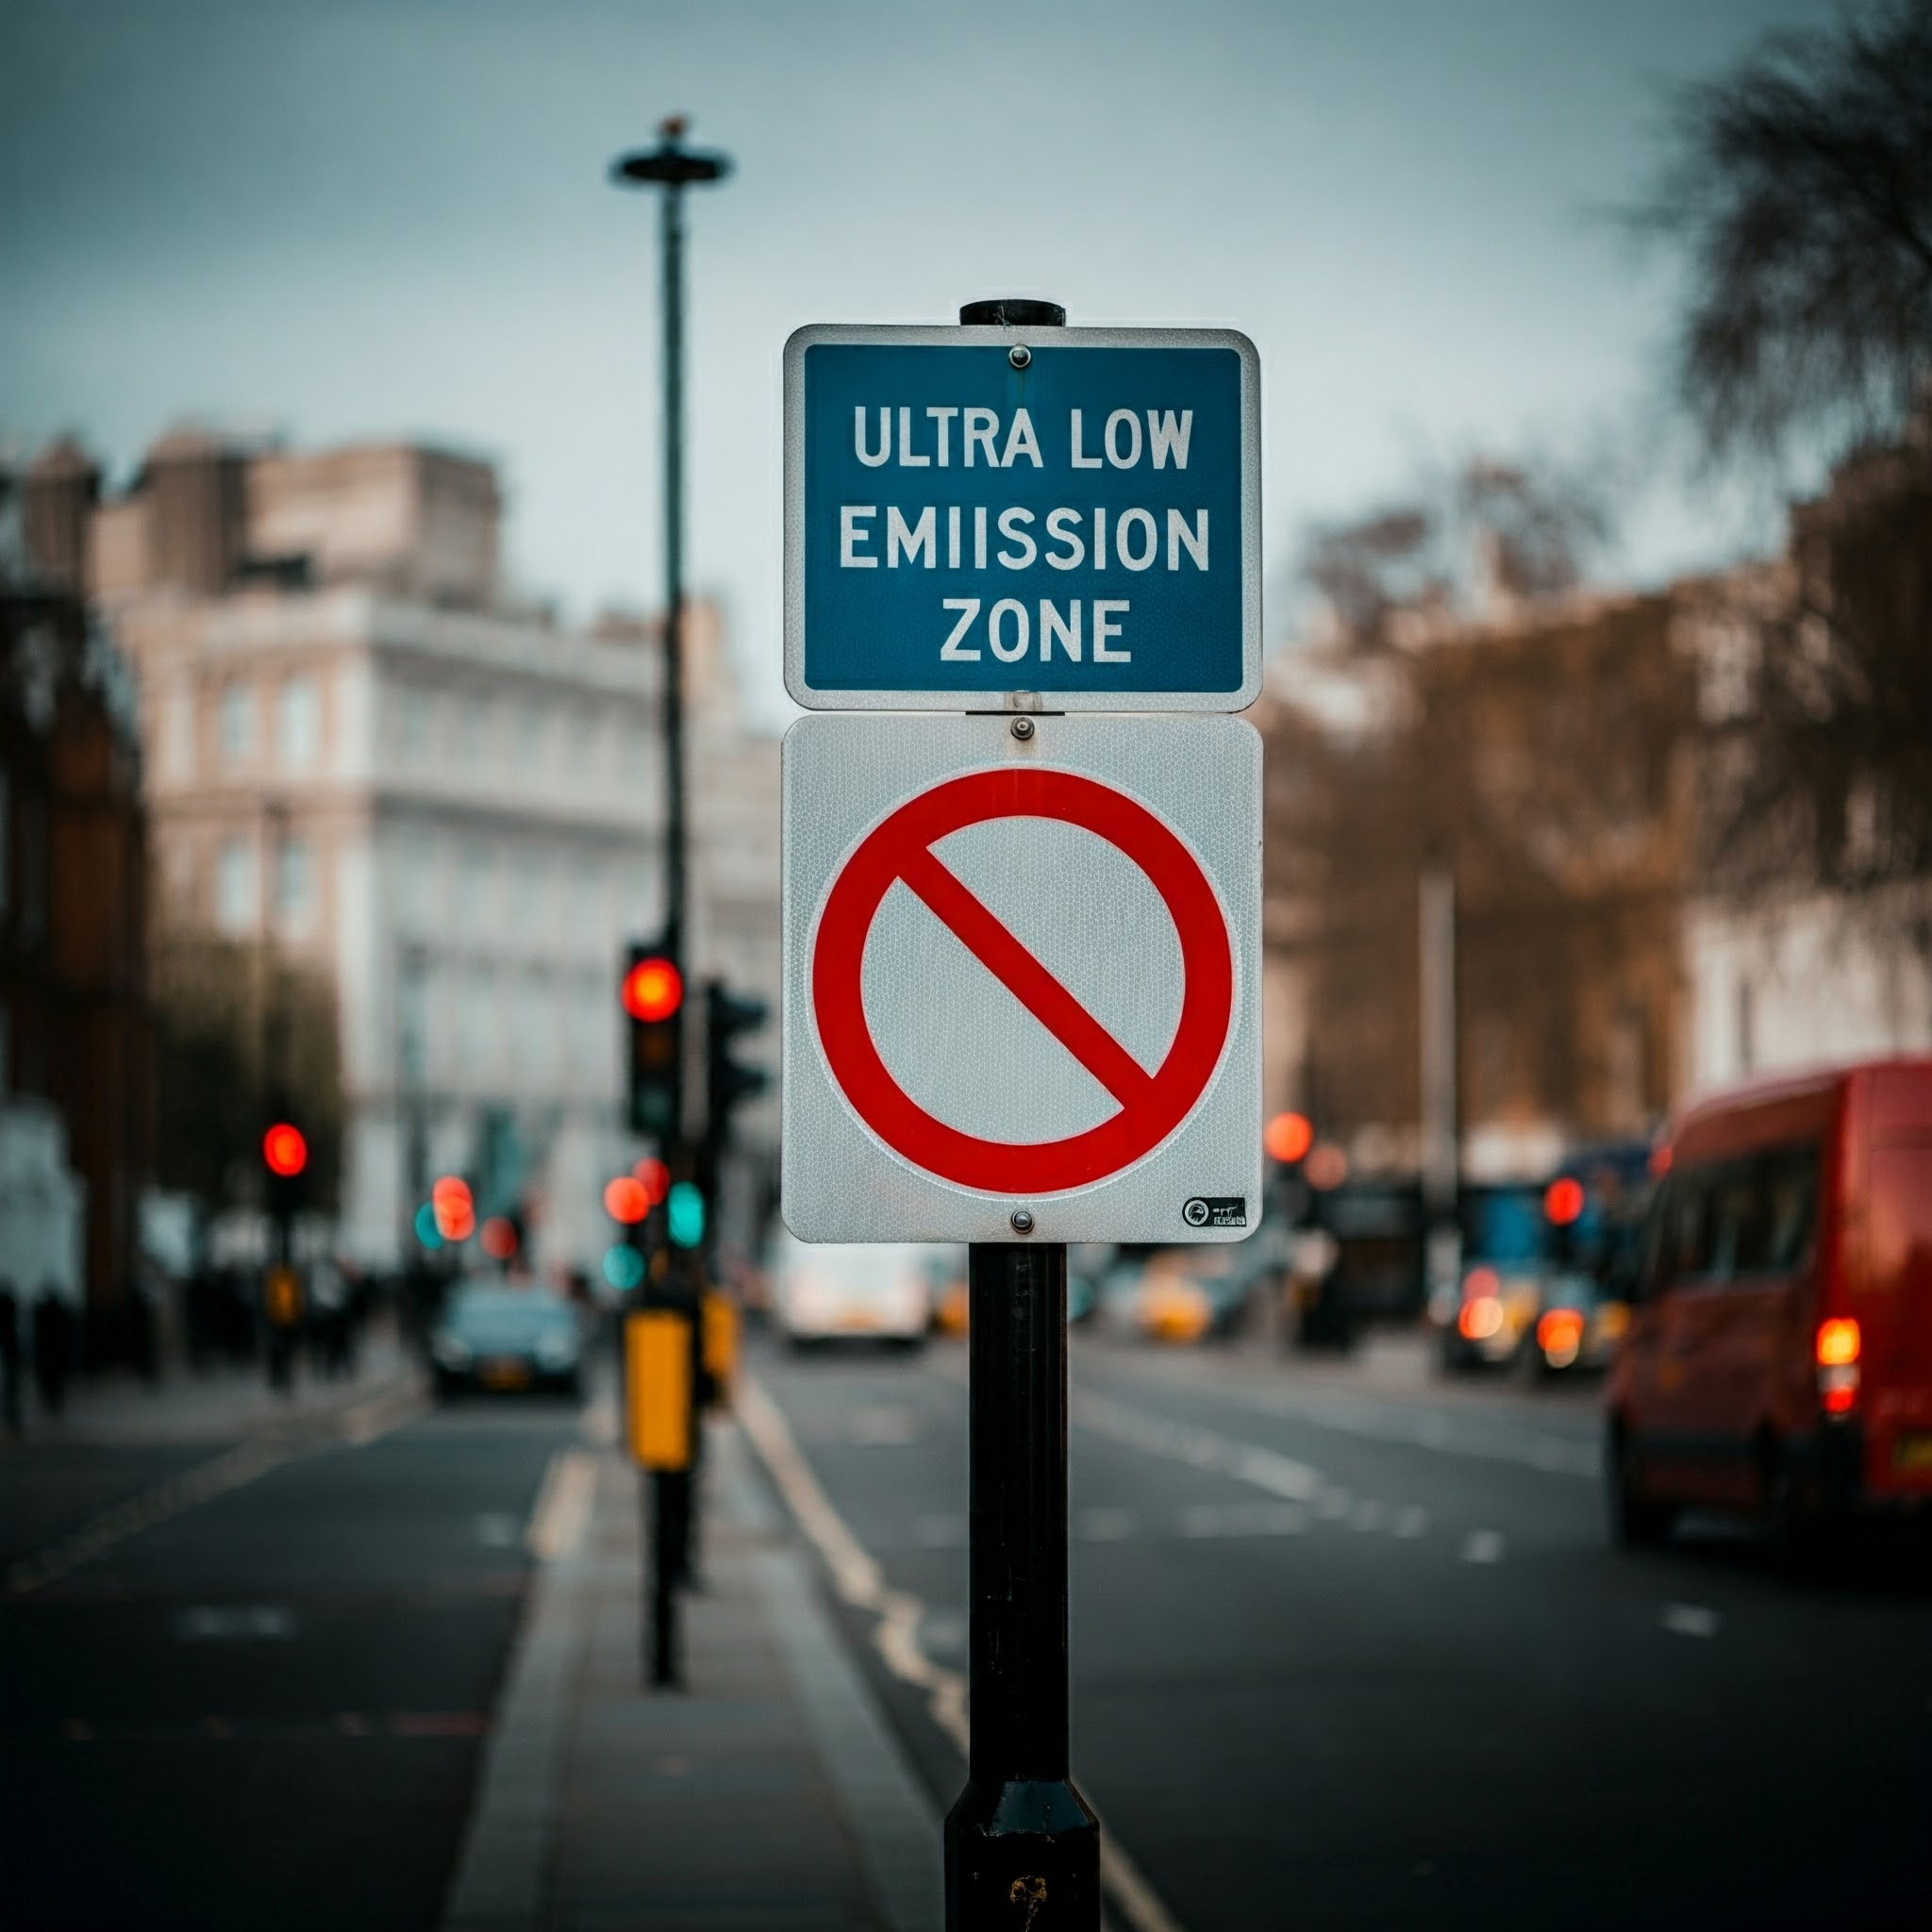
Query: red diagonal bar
993, 945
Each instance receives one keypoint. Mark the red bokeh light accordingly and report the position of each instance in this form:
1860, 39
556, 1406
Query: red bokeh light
626, 1199
1660, 1159
653, 989
284, 1150
1288, 1137
654, 1176
499, 1239
1563, 1200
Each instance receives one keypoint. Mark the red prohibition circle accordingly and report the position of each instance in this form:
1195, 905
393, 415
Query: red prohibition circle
1152, 1105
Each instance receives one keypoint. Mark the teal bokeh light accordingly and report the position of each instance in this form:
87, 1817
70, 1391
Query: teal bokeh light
623, 1267
686, 1213
426, 1232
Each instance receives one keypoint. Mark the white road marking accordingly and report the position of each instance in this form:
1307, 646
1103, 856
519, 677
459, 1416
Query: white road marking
1410, 1519
1690, 1619
858, 1578
242, 1623
1482, 1546
563, 1506
881, 1429
1243, 1519
496, 1531
359, 1426
1104, 1525
598, 1422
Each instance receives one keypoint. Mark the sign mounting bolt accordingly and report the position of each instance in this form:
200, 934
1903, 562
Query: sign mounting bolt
1022, 728
1021, 1220
1019, 354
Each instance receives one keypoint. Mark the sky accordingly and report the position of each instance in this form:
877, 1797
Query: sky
353, 220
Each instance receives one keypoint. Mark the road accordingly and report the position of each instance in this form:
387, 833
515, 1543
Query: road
1355, 1652
260, 1696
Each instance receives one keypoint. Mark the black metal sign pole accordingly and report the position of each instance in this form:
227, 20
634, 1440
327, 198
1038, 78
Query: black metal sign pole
1022, 1848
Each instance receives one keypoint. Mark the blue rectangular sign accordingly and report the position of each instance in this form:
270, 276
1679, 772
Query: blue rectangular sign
972, 512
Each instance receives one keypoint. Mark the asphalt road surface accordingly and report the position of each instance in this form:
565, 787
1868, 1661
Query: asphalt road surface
1350, 1655
261, 1700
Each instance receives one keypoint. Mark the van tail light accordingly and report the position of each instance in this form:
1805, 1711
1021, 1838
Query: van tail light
1838, 1344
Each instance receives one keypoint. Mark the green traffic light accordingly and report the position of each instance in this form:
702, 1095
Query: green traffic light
686, 1212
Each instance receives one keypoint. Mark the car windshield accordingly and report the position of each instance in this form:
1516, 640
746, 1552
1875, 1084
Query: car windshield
506, 1311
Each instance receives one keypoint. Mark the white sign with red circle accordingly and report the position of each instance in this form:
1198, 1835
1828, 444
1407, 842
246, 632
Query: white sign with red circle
1022, 978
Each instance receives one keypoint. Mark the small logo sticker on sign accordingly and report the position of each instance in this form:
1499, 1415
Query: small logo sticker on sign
1216, 1210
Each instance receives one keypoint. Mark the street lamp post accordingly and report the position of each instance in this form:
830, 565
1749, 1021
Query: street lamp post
669, 1501
673, 167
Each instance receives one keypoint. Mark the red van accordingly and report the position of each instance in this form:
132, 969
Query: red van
1779, 1355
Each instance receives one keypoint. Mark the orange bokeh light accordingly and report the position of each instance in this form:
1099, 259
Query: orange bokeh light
626, 1199
653, 989
1560, 1332
1838, 1342
1327, 1166
454, 1206
1288, 1137
284, 1150
1563, 1200
499, 1239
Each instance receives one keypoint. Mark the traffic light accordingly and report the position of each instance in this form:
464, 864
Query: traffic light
728, 1084
285, 1155
653, 996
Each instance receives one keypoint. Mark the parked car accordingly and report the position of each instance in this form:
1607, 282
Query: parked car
825, 1291
501, 1338
1779, 1359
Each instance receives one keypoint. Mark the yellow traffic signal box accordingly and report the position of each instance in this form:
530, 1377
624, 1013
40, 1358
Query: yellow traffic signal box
657, 1377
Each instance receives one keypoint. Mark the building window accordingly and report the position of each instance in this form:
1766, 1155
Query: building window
237, 726
177, 732
295, 883
235, 886
530, 733
297, 723
478, 1020
473, 908
472, 730
415, 723
413, 883
413, 1019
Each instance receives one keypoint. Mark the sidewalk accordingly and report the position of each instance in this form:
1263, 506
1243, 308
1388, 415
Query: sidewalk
216, 1405
768, 1796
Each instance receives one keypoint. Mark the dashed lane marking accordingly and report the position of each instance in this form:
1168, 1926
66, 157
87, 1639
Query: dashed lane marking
231, 1470
1690, 1619
859, 1580
1482, 1546
562, 1509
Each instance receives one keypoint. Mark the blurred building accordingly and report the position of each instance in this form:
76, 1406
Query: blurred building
1690, 834
76, 1102
1536, 756
365, 757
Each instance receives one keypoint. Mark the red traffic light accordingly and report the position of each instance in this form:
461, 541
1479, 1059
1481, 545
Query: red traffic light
454, 1206
626, 1200
284, 1150
1563, 1200
653, 989
1288, 1137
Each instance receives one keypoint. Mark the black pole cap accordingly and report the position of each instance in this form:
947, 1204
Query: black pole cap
1014, 311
